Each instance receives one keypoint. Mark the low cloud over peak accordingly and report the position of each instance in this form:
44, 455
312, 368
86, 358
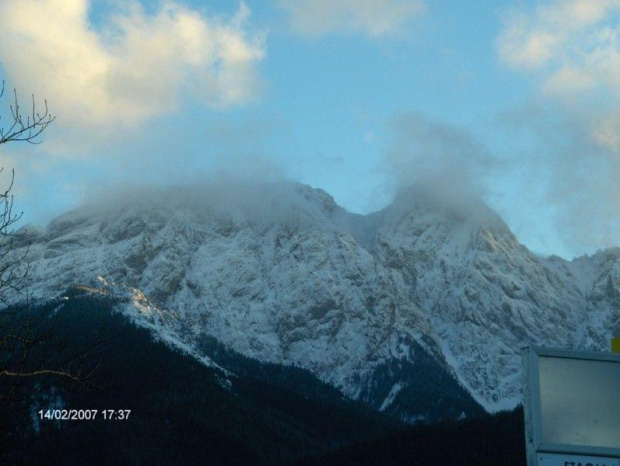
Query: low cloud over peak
423, 151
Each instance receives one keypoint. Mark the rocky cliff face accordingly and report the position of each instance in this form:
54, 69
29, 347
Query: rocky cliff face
371, 304
485, 294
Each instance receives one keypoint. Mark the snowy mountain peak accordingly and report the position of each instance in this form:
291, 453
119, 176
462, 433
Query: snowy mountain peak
280, 273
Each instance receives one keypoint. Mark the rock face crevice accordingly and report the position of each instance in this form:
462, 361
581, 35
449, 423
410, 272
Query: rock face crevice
280, 273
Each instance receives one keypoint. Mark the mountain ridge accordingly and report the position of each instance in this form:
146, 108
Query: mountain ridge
280, 273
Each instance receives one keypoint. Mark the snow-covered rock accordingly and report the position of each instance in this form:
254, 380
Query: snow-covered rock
279, 272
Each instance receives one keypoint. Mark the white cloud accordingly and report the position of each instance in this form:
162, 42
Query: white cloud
424, 151
555, 31
373, 18
571, 48
133, 66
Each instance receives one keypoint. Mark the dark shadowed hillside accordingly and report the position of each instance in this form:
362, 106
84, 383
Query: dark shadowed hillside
183, 412
490, 440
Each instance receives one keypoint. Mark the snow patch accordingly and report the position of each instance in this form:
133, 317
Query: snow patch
398, 386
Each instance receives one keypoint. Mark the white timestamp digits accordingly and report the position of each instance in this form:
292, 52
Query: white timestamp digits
84, 414
116, 414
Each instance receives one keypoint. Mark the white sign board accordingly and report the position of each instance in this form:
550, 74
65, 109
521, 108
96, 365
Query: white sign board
553, 459
572, 407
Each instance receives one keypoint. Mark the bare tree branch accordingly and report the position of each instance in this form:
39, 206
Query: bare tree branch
29, 345
25, 128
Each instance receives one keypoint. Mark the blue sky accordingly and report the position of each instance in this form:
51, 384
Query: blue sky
516, 100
